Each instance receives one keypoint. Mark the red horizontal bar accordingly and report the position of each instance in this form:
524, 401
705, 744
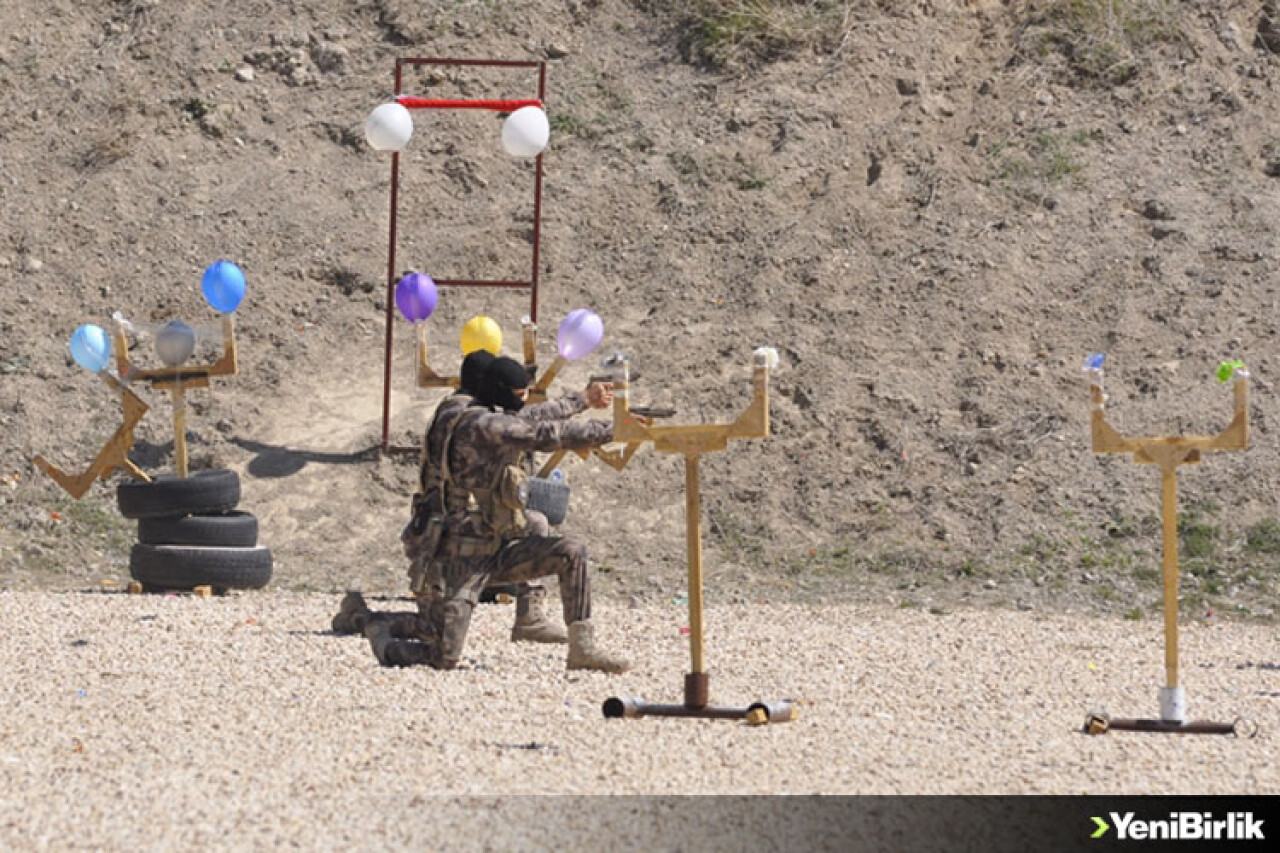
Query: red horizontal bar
464, 104
468, 282
496, 63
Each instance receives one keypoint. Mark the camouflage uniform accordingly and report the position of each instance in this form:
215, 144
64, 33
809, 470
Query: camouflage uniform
490, 540
497, 543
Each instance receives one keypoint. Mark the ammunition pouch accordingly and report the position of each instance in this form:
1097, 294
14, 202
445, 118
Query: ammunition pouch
502, 506
513, 487
421, 539
421, 536
424, 577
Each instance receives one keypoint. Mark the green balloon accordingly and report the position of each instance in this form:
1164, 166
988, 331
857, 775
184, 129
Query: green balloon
1228, 369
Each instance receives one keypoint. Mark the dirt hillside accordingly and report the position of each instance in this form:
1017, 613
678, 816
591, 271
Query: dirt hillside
934, 210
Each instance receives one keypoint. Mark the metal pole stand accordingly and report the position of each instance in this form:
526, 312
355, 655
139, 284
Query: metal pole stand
427, 376
695, 688
1168, 453
692, 442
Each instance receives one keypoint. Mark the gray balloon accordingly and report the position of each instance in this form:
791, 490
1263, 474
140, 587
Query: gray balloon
175, 343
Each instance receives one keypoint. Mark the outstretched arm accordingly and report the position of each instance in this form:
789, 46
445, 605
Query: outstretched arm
556, 410
517, 433
598, 395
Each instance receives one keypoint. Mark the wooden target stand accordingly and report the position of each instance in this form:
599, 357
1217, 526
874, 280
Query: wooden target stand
114, 454
428, 377
1168, 454
631, 429
176, 380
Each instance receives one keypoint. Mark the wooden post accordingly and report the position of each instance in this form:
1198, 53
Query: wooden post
114, 454
1168, 453
229, 364
633, 428
1169, 501
693, 525
691, 442
179, 431
529, 340
178, 380
545, 380
423, 371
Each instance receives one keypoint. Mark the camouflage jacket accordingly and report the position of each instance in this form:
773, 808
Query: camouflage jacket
561, 409
485, 441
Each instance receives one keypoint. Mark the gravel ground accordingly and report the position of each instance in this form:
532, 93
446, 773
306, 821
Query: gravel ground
242, 722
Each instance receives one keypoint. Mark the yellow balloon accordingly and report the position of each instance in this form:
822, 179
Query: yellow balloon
480, 332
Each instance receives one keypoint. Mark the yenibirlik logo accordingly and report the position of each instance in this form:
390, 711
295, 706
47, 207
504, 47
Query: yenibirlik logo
1183, 826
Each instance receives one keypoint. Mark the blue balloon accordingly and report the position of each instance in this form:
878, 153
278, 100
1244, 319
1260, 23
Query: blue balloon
223, 286
91, 348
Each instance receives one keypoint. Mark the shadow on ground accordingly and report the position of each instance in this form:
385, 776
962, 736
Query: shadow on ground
275, 461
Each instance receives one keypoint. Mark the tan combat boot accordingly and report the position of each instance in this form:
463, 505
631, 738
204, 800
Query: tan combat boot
391, 651
352, 615
532, 625
583, 653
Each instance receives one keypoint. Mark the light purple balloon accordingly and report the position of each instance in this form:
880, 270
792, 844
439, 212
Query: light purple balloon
580, 332
416, 296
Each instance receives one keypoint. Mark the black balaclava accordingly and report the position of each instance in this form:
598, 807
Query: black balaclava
472, 374
501, 378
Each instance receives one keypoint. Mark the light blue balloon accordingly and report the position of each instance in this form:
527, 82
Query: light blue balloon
91, 348
223, 286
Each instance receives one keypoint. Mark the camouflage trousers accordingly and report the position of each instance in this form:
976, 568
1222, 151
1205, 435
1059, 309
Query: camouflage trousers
444, 615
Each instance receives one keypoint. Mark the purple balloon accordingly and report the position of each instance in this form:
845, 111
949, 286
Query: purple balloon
416, 296
580, 332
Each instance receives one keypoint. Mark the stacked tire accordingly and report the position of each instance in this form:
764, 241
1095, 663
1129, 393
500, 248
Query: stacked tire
190, 534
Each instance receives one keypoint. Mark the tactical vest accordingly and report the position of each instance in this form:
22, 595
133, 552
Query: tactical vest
423, 536
500, 504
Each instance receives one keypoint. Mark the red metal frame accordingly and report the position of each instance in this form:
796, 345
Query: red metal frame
433, 103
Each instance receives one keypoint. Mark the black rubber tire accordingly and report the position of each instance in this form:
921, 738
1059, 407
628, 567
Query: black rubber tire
549, 498
235, 529
187, 567
215, 490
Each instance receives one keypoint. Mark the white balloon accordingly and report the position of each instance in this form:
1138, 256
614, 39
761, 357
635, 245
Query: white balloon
525, 132
389, 127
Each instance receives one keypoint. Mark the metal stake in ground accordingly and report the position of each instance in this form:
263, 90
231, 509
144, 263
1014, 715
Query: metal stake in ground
631, 430
1168, 454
